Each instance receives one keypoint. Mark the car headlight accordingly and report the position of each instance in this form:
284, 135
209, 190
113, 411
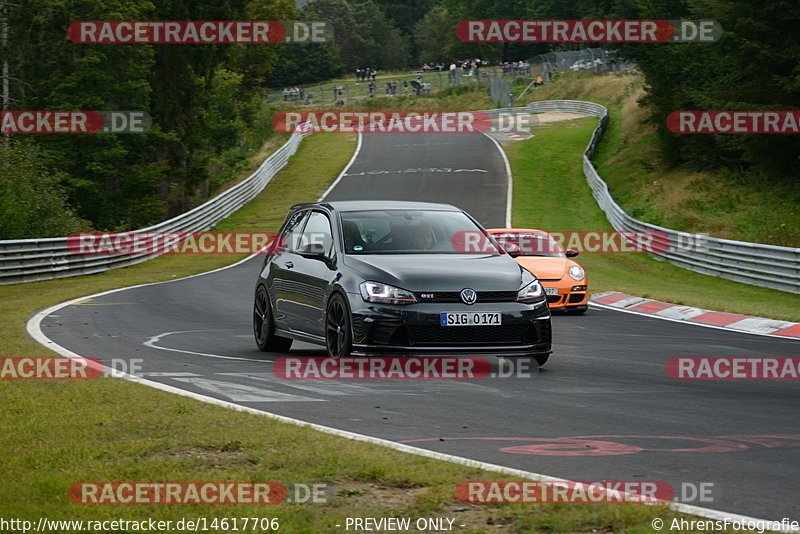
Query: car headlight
386, 294
530, 292
576, 272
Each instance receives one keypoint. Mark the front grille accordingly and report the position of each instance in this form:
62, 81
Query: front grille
576, 297
553, 299
468, 335
455, 296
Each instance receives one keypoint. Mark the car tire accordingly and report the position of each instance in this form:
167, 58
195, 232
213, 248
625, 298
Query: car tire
541, 359
264, 327
338, 332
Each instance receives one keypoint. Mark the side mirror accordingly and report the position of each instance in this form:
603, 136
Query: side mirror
571, 253
512, 250
314, 251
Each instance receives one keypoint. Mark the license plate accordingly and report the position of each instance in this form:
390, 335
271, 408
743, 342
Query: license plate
551, 291
470, 319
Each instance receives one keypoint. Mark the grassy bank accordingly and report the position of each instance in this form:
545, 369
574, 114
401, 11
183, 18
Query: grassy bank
59, 433
550, 192
728, 203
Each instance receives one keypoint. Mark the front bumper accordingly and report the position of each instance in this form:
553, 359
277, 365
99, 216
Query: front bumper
414, 329
566, 298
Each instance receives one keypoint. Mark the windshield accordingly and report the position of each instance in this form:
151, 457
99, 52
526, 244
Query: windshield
531, 243
408, 232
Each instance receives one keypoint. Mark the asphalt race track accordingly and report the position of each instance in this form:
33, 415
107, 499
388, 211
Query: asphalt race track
605, 385
461, 169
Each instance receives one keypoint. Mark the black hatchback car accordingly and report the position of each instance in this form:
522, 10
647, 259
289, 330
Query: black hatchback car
384, 277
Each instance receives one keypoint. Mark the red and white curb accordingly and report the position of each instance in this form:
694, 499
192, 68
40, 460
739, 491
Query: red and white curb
676, 312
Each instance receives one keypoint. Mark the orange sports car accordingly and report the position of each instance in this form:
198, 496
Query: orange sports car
564, 280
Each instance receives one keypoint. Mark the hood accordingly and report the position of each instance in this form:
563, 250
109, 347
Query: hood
546, 268
439, 272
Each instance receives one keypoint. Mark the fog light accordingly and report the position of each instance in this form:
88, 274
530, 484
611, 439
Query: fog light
579, 288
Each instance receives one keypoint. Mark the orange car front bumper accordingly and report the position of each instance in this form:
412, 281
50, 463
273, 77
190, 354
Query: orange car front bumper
567, 297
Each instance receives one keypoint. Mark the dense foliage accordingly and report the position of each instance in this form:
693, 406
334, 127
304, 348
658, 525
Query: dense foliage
205, 100
755, 66
201, 98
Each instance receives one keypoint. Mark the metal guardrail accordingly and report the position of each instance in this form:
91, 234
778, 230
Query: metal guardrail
29, 260
751, 263
775, 267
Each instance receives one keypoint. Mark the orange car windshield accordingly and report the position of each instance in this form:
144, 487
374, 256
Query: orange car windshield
532, 244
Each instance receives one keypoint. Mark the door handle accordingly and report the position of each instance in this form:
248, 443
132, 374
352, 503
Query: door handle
289, 265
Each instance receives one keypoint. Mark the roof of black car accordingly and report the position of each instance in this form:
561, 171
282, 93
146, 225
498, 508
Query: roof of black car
357, 205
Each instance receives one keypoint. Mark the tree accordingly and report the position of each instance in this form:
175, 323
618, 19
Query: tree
428, 34
362, 33
33, 203
305, 63
127, 181
753, 67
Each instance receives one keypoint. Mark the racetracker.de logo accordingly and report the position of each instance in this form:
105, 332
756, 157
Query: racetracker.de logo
47, 368
540, 244
733, 368
197, 32
177, 492
74, 122
583, 492
104, 243
734, 122
396, 122
58, 368
587, 31
381, 368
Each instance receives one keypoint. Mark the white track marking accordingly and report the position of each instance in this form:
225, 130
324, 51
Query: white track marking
509, 178
429, 170
35, 331
344, 171
151, 342
242, 392
315, 386
689, 323
34, 328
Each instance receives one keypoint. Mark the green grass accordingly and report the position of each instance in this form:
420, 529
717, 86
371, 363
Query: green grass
550, 193
727, 203
58, 433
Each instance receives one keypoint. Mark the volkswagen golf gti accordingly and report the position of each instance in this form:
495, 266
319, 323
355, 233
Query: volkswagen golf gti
384, 277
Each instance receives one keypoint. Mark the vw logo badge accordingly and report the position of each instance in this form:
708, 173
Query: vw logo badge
469, 296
